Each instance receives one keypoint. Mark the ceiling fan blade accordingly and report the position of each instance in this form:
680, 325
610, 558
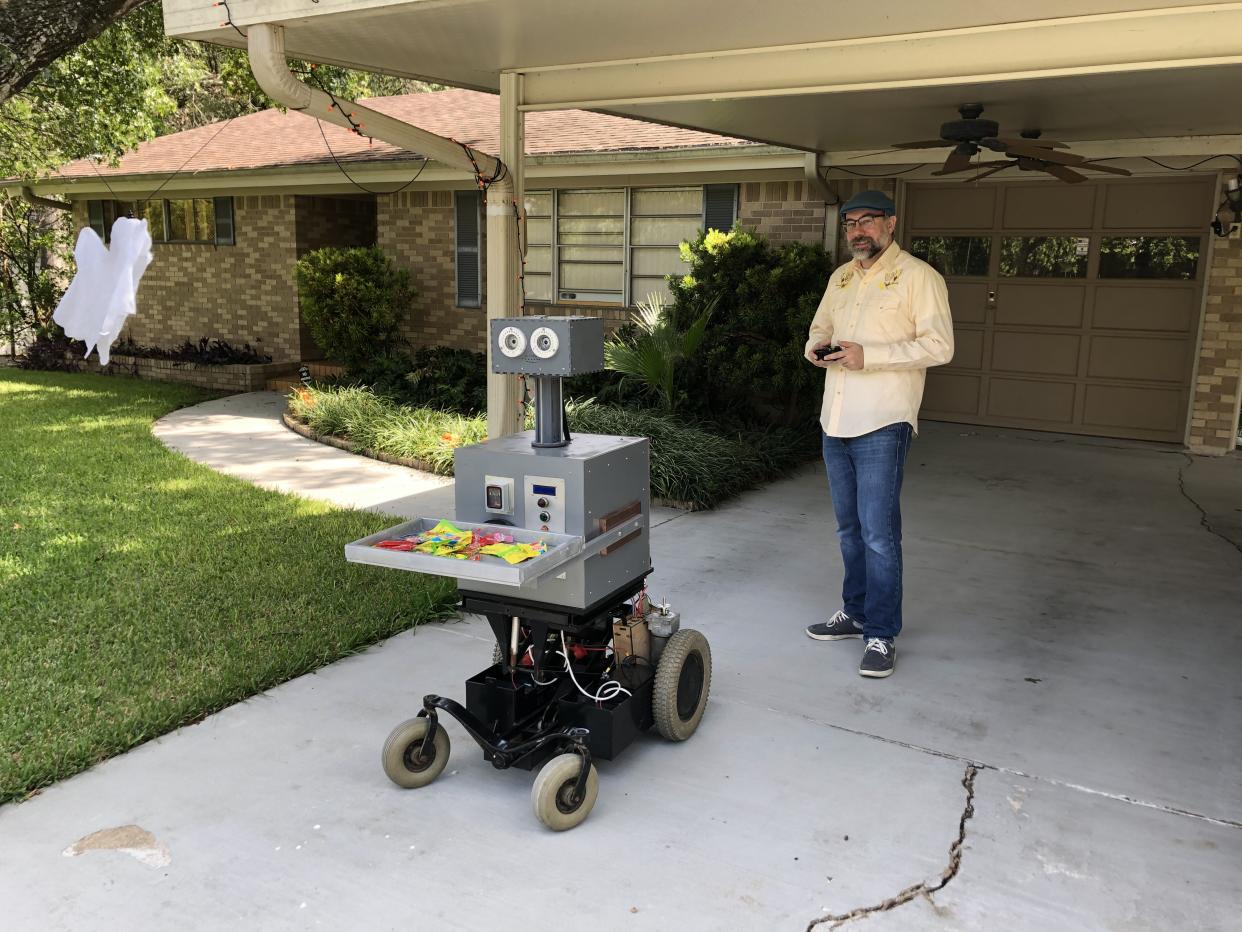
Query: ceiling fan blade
925, 144
1024, 147
1065, 174
1111, 169
999, 167
958, 161
1042, 143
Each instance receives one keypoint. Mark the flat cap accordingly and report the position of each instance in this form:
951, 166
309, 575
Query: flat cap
870, 200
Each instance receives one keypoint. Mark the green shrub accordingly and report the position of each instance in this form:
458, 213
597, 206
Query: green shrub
750, 370
206, 352
431, 377
353, 301
650, 351
691, 464
52, 351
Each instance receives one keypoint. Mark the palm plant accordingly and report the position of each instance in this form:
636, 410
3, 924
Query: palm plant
652, 354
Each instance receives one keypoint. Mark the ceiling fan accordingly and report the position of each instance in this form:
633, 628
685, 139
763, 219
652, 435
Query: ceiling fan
972, 134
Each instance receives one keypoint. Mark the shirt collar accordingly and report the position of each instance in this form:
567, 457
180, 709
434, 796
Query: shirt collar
886, 259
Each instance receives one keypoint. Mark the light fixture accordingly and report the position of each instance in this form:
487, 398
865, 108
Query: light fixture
1230, 208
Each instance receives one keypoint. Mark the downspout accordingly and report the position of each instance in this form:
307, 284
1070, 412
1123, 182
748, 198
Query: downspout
266, 45
31, 198
816, 182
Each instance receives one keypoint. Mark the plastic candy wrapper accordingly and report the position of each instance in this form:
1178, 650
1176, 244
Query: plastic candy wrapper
447, 540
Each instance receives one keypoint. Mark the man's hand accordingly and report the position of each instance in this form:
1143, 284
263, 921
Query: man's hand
850, 357
826, 362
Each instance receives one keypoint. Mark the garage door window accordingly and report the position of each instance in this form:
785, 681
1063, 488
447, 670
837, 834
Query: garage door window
954, 255
1168, 257
1044, 256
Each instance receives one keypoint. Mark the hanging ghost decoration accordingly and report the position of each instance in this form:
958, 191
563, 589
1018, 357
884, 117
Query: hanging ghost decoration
104, 291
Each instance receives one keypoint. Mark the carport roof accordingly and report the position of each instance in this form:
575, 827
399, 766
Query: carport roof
836, 78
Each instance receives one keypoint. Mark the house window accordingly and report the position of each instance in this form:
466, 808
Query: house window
590, 244
537, 275
954, 255
467, 208
661, 219
1175, 257
184, 220
1044, 256
616, 246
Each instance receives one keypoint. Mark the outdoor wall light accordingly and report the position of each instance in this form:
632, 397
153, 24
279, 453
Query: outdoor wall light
1230, 208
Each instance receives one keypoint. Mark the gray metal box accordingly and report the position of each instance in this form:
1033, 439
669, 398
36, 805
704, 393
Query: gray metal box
593, 477
547, 345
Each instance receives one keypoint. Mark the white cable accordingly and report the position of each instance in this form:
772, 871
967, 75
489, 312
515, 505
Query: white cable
612, 687
531, 671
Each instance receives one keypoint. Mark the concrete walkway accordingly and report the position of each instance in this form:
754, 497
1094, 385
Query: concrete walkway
1067, 703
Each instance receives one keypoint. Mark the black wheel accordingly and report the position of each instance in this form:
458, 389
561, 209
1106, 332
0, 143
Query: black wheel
553, 793
682, 682
402, 758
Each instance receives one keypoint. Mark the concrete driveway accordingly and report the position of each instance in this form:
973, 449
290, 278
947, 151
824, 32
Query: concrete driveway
1060, 748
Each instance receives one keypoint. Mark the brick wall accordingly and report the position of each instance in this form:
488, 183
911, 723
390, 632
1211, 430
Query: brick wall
243, 293
416, 229
1218, 384
782, 211
232, 378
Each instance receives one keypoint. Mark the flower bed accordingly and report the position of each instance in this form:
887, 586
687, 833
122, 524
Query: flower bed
238, 377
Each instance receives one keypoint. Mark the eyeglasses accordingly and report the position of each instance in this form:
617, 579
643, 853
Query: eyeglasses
866, 221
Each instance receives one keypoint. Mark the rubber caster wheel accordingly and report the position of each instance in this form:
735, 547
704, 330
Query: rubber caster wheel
552, 794
401, 756
682, 682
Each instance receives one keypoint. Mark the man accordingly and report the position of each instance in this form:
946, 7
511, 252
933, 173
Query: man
889, 314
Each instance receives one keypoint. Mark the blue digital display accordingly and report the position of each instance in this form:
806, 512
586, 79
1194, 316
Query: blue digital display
544, 489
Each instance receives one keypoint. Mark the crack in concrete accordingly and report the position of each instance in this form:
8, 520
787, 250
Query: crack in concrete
1204, 521
998, 768
923, 889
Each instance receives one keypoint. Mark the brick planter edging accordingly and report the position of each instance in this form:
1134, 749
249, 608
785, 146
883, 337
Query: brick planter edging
304, 430
233, 377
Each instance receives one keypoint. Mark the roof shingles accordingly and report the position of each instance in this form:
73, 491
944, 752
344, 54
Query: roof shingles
275, 138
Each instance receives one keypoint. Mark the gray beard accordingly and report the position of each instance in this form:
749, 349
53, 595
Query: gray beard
868, 250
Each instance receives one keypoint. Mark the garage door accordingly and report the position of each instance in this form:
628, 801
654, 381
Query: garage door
1075, 307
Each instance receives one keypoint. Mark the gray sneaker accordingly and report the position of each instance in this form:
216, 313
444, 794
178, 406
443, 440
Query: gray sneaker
879, 658
836, 628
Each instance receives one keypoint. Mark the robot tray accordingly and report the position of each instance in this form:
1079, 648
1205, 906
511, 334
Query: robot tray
561, 549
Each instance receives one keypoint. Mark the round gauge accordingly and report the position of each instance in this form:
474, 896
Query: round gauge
512, 342
544, 343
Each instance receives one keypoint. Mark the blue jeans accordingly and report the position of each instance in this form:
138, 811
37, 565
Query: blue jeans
864, 476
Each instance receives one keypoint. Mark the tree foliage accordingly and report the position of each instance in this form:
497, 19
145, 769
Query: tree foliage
98, 99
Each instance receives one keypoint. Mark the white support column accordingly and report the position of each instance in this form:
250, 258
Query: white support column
504, 255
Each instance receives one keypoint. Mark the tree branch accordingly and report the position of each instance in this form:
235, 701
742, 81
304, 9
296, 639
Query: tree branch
35, 33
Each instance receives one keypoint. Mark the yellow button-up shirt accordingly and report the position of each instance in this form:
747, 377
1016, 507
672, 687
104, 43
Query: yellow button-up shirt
898, 311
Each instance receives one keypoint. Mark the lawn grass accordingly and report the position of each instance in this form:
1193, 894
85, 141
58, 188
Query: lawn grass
140, 591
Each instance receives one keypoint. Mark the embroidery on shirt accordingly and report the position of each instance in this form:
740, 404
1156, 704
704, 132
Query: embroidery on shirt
845, 279
891, 278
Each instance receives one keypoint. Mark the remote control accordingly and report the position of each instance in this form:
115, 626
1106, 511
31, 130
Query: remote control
823, 351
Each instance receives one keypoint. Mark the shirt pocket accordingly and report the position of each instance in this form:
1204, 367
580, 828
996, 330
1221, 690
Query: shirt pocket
891, 319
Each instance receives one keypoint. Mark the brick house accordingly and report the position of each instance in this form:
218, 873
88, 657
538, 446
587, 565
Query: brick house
1113, 343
